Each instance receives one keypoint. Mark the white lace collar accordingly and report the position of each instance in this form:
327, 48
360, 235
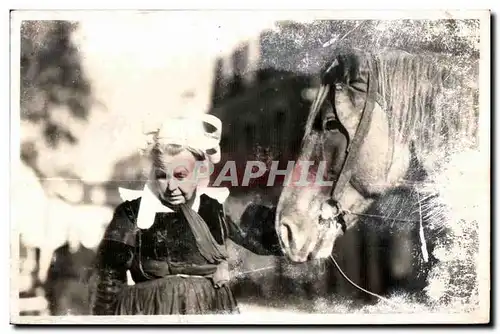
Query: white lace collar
150, 204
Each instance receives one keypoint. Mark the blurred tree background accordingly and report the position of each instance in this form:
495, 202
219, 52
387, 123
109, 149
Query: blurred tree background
55, 92
303, 47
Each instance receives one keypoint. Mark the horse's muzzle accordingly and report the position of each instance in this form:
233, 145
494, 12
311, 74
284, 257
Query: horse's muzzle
296, 243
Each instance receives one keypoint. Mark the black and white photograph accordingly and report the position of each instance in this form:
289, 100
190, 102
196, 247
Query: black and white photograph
250, 167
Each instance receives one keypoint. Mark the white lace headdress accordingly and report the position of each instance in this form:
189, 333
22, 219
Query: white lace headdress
199, 132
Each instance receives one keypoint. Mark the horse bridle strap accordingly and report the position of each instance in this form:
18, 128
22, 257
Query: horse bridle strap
359, 137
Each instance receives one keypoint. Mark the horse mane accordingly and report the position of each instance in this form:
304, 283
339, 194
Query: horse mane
428, 100
431, 99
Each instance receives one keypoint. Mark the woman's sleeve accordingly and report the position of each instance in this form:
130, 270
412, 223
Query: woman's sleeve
256, 231
114, 257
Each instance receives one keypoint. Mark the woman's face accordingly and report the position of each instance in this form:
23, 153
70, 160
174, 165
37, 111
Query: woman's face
174, 183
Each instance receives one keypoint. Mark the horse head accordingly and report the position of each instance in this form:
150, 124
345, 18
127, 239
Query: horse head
359, 136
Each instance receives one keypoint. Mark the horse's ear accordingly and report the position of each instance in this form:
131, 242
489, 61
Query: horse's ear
331, 68
332, 72
350, 67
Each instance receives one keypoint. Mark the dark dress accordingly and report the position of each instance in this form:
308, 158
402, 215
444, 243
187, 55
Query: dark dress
171, 271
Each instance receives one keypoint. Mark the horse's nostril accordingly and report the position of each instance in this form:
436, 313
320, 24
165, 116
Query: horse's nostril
285, 231
287, 234
294, 241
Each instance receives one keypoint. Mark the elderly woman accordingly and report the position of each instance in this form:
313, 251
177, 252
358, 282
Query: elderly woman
172, 238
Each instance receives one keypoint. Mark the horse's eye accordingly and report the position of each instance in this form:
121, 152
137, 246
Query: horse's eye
358, 86
330, 124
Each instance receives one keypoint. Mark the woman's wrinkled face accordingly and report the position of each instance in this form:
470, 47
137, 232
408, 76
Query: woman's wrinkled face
172, 180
